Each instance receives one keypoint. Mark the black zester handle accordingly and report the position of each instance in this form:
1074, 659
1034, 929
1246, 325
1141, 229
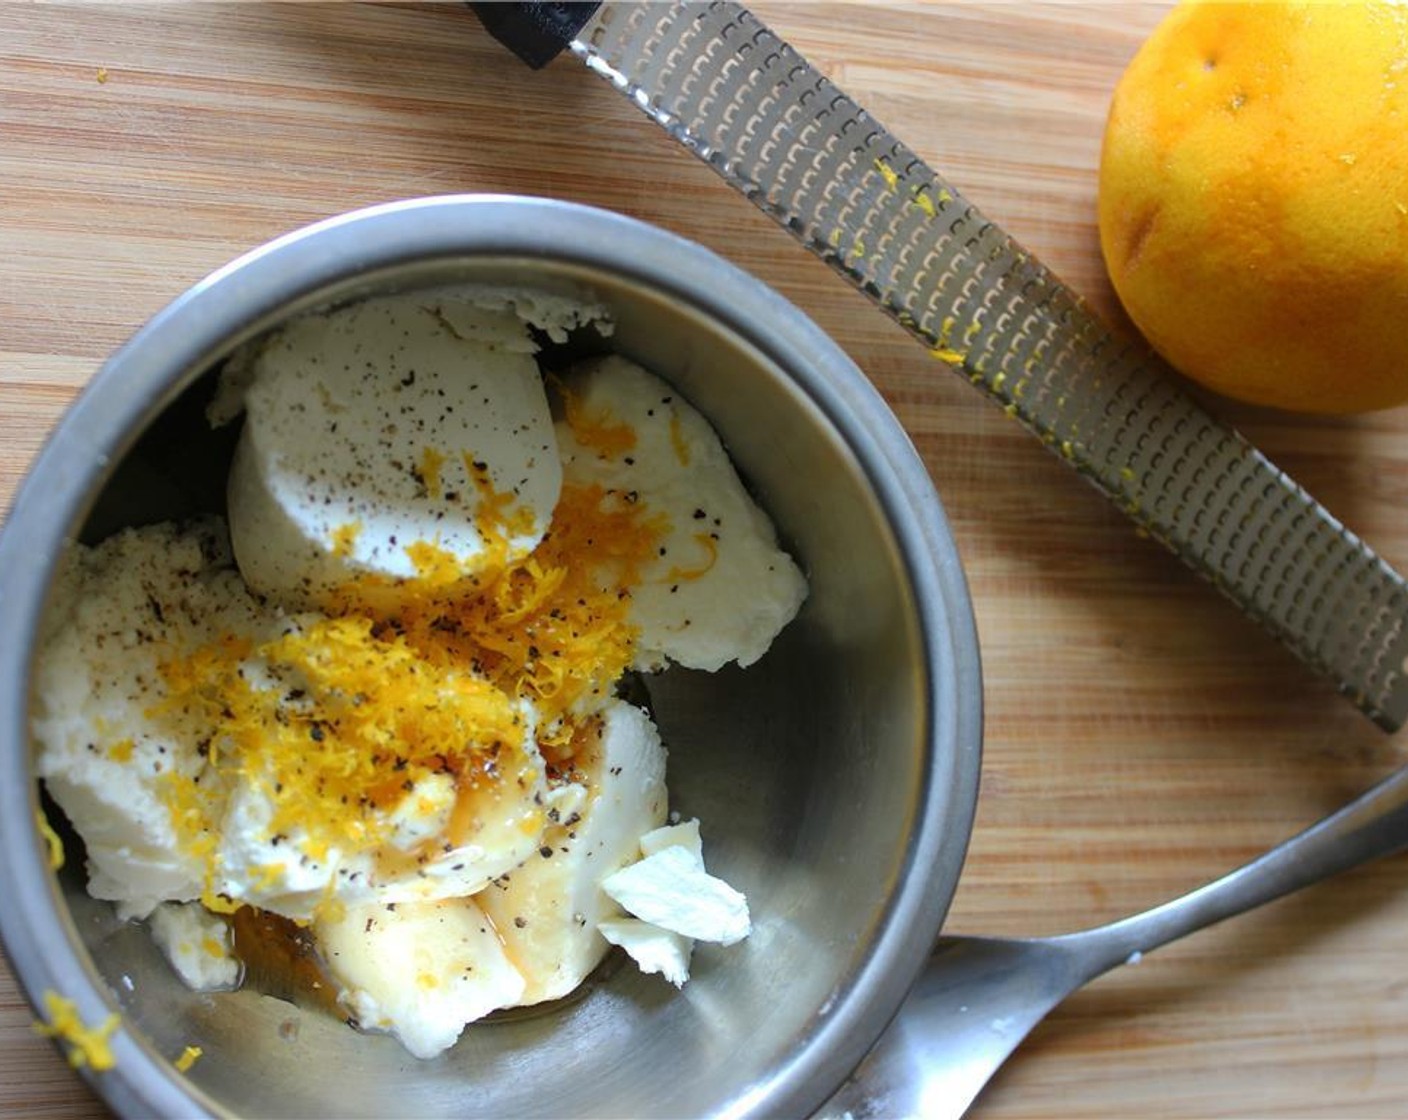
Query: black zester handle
781, 133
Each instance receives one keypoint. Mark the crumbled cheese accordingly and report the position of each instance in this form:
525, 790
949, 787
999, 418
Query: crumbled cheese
654, 950
198, 944
671, 889
122, 609
555, 315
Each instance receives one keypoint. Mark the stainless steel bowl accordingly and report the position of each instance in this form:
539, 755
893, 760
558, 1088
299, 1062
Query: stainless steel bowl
836, 779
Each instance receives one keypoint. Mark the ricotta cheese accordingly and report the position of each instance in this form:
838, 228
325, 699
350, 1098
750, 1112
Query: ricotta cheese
121, 611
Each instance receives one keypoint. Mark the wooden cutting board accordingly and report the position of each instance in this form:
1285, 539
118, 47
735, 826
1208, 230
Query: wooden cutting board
1141, 737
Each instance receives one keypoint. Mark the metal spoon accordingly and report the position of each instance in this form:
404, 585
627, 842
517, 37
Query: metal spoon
980, 997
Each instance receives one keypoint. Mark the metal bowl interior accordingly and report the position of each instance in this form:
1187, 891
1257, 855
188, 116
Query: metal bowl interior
835, 779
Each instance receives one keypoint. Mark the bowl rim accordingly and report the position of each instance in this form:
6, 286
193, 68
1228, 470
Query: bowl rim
162, 358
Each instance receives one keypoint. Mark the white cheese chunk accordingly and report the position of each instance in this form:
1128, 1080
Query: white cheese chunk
198, 944
421, 971
671, 889
502, 826
110, 738
105, 743
389, 424
548, 909
683, 835
555, 315
707, 907
262, 868
654, 950
721, 589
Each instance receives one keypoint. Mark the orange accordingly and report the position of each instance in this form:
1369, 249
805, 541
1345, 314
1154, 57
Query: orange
1254, 200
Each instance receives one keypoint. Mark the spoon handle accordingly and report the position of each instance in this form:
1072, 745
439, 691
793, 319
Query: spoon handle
1375, 824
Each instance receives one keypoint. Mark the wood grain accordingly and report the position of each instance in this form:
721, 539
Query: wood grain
1141, 737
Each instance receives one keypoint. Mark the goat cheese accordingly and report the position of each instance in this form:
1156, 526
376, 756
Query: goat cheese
719, 588
398, 437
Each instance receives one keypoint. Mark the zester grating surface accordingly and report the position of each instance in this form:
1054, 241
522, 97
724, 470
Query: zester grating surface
750, 106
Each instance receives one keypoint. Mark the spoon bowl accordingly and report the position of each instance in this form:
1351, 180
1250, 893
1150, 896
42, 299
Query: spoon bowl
980, 997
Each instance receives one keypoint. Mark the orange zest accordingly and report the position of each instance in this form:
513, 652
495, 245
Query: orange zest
337, 720
598, 430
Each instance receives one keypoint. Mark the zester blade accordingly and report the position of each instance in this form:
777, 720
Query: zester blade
735, 94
